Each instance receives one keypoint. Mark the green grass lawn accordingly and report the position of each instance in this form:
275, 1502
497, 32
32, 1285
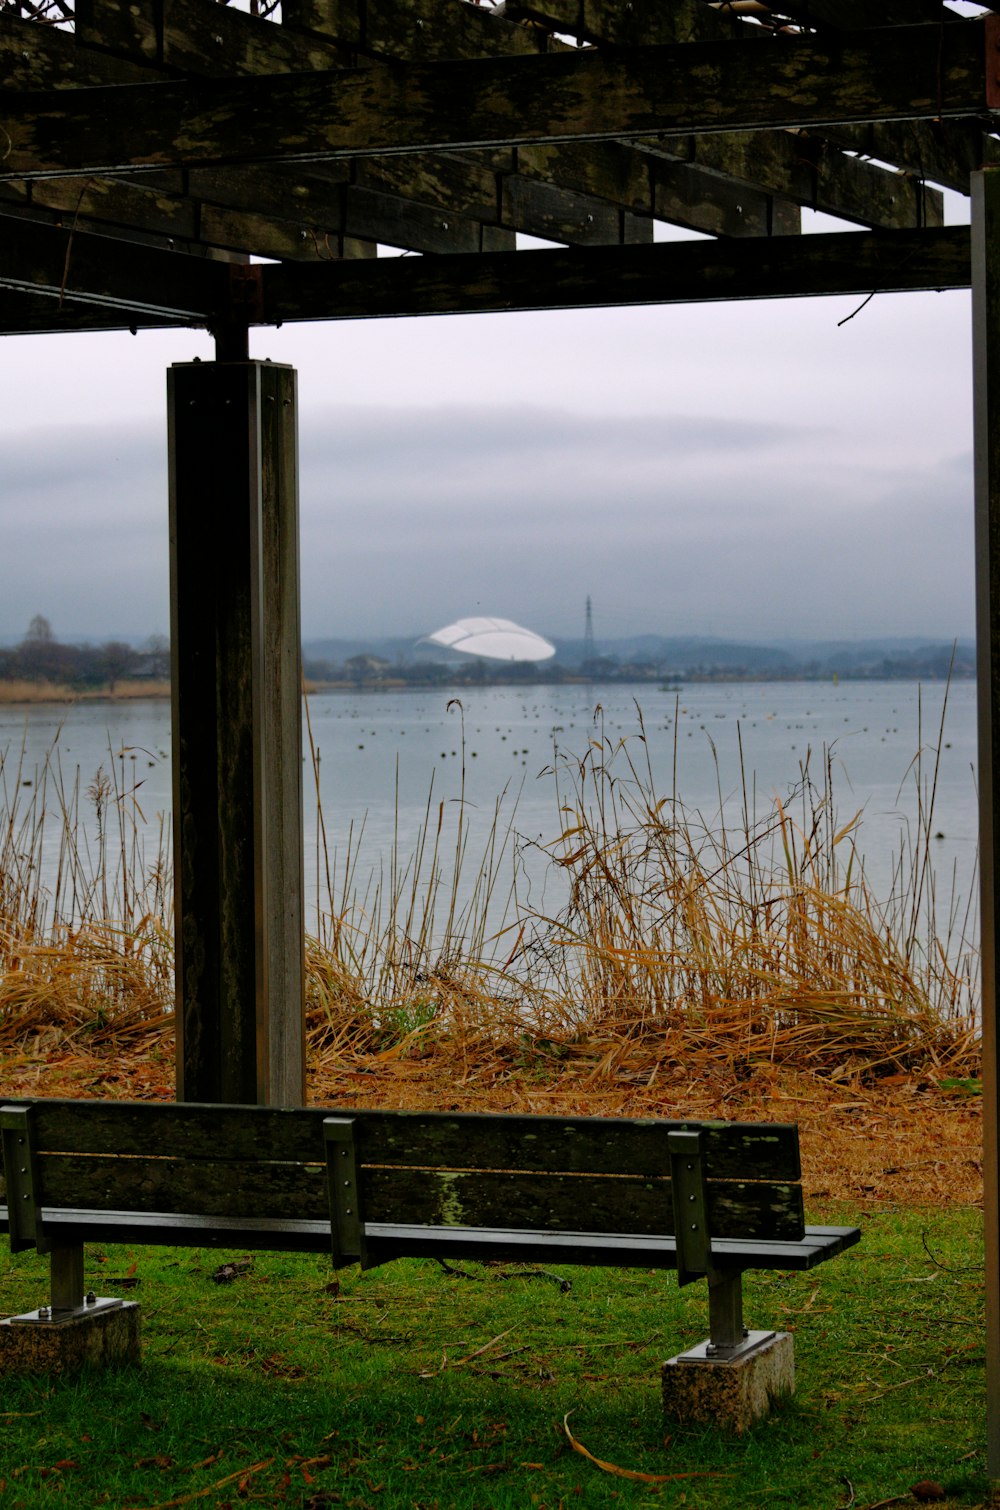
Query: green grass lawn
409, 1387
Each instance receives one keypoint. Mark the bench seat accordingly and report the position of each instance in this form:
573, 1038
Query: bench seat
387, 1241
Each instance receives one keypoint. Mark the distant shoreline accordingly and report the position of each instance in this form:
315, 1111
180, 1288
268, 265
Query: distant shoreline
38, 694
13, 693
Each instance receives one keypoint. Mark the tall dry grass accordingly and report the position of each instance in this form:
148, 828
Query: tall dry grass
681, 941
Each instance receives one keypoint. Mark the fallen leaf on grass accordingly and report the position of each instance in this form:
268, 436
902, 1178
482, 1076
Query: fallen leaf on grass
630, 1473
446, 1363
63, 1465
161, 1460
243, 1474
226, 1273
206, 1462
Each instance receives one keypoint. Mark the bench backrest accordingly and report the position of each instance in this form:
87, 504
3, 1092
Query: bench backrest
472, 1169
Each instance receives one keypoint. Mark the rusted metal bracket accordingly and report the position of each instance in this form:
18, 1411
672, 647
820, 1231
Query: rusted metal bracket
347, 1229
243, 308
246, 293
20, 1177
687, 1184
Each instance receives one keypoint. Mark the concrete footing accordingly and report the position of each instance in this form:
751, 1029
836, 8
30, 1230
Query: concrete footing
731, 1393
108, 1339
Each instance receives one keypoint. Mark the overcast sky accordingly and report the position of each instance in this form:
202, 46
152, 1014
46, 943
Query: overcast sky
752, 470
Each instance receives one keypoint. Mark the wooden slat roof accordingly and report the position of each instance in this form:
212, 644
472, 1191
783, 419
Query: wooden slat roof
148, 152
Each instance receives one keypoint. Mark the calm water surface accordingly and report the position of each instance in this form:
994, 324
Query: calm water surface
386, 759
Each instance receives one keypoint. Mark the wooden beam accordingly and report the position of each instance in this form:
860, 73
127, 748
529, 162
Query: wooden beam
236, 728
78, 268
43, 57
428, 29
846, 15
31, 314
986, 408
627, 24
668, 273
128, 282
896, 74
808, 170
944, 152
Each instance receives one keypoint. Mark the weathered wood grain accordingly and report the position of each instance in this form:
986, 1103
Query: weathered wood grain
626, 24
137, 281
78, 268
573, 1203
237, 793
807, 169
43, 57
585, 1145
413, 28
755, 268
917, 72
444, 1197
986, 411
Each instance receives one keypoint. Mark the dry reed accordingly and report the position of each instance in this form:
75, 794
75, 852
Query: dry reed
684, 946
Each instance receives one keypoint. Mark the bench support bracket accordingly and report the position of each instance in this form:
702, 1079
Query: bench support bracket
21, 1179
347, 1228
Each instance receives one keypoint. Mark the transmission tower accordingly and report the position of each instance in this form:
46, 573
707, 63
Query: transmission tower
588, 638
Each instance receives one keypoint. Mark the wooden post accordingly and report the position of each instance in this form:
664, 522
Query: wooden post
237, 756
986, 359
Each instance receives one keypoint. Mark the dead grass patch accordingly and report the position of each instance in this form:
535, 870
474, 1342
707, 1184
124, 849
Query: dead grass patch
695, 969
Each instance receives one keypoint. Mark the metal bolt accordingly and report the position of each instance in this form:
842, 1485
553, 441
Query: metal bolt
694, 1226
746, 1331
44, 1313
444, 225
347, 1184
218, 41
91, 1298
710, 1349
691, 1200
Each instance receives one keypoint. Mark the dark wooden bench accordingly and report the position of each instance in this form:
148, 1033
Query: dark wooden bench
709, 1199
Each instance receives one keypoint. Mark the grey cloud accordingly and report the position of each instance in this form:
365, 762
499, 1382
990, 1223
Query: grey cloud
674, 523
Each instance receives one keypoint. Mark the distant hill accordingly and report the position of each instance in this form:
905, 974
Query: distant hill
690, 657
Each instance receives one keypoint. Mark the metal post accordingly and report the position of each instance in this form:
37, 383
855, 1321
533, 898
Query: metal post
66, 1278
725, 1309
237, 761
986, 359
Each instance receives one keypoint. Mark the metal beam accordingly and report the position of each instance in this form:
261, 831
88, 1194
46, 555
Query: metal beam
904, 73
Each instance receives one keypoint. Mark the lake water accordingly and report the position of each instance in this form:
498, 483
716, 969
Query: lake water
387, 760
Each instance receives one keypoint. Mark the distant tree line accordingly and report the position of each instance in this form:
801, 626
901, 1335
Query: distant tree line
40, 657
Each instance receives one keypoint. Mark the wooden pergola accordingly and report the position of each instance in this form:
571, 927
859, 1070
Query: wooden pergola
183, 163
